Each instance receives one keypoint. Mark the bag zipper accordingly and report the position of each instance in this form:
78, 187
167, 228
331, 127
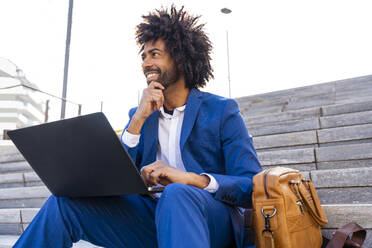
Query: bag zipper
265, 183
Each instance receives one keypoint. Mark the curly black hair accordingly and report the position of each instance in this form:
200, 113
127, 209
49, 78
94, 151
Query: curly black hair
185, 40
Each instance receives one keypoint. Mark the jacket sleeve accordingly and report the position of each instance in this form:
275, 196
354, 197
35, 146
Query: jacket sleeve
133, 151
241, 162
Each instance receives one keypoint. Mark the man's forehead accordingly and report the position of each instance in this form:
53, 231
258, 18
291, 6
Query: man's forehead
158, 44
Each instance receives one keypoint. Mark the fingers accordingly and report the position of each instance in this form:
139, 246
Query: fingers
157, 175
154, 93
155, 90
152, 100
146, 172
154, 85
156, 99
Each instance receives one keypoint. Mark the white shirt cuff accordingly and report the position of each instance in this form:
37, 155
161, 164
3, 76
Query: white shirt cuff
131, 140
213, 184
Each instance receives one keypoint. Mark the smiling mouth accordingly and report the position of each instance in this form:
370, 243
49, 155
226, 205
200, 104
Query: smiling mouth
151, 76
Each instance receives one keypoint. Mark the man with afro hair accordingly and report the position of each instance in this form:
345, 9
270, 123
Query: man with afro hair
192, 142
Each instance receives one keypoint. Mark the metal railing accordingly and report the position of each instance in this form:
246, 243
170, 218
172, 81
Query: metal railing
46, 114
20, 76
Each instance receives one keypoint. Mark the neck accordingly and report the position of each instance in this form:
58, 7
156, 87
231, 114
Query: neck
176, 94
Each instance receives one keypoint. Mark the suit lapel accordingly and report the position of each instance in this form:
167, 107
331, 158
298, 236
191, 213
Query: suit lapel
151, 138
191, 111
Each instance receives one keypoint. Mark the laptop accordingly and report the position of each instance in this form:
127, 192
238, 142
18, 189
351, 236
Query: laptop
80, 157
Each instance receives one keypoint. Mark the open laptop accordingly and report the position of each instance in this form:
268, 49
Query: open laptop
80, 157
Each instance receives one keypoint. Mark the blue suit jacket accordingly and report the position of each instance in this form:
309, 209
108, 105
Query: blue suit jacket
214, 140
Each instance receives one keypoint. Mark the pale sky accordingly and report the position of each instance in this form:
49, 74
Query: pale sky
274, 45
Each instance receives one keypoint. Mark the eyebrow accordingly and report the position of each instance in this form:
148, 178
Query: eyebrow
150, 51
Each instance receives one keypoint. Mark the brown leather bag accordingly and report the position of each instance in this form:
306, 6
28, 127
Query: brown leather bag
286, 210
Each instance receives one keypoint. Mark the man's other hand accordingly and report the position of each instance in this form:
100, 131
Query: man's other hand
160, 172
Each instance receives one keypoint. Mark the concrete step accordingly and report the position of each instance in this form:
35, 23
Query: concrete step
13, 180
303, 100
6, 146
297, 98
7, 241
304, 168
284, 127
348, 119
9, 158
362, 163
13, 167
261, 106
15, 220
23, 197
9, 153
343, 185
285, 140
345, 108
286, 157
255, 110
344, 152
353, 88
345, 195
282, 116
354, 177
326, 94
338, 134
325, 137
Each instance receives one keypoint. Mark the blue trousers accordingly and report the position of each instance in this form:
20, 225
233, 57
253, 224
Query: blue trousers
184, 216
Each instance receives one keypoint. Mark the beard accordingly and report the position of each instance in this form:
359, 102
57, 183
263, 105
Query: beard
167, 77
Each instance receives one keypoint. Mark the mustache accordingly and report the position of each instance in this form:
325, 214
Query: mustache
147, 70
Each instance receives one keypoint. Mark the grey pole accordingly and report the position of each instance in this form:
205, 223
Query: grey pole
67, 55
227, 11
228, 62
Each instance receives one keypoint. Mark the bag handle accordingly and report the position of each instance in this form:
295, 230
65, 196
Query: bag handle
311, 200
341, 237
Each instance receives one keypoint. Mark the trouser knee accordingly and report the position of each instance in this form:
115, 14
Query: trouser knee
178, 196
178, 191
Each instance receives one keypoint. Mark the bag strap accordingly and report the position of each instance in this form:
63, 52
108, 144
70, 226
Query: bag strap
311, 200
268, 240
341, 237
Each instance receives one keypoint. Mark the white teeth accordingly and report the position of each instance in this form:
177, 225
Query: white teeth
151, 75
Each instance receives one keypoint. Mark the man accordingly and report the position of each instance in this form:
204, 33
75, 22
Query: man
194, 143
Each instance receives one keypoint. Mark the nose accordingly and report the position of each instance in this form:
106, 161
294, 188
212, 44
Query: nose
146, 63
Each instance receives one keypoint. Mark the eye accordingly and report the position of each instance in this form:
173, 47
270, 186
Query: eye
154, 54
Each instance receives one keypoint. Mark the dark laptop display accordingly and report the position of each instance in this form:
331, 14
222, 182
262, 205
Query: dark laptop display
79, 157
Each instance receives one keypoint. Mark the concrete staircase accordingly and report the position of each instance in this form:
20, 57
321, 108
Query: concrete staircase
323, 130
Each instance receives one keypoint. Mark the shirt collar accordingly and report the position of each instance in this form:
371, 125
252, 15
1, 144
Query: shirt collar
176, 112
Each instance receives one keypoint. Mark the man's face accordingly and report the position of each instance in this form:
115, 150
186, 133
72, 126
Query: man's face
157, 64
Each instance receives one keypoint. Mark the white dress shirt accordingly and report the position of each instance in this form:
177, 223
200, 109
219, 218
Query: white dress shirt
169, 142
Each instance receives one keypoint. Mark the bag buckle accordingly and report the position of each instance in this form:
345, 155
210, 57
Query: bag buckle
267, 221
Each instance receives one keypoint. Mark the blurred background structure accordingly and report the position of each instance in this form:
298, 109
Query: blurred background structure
20, 105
